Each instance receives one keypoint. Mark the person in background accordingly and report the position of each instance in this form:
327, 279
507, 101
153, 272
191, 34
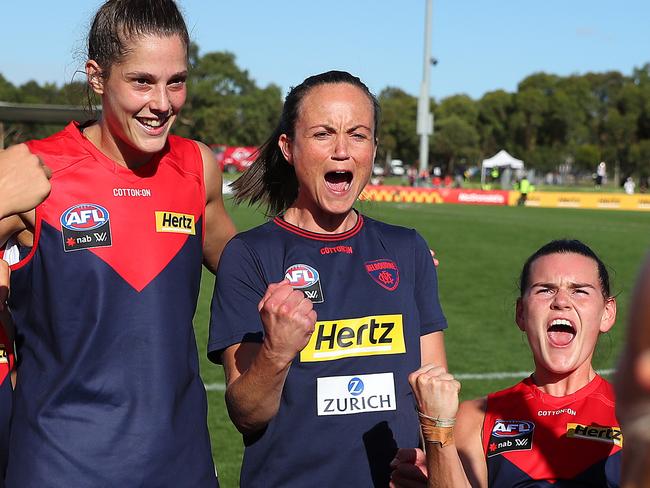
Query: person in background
524, 189
558, 427
319, 315
108, 390
629, 186
632, 384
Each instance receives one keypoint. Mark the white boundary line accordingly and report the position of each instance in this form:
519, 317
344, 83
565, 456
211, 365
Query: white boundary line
461, 376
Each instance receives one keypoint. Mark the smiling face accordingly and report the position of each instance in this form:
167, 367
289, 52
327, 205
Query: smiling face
332, 151
141, 98
563, 311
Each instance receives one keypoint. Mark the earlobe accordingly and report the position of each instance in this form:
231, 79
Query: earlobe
94, 76
284, 143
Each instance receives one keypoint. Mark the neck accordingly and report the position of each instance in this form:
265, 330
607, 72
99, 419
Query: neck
322, 224
102, 138
563, 384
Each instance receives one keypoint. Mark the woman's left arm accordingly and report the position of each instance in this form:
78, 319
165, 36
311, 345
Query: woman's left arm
218, 226
432, 349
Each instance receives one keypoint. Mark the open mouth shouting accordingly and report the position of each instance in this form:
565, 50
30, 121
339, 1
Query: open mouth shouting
338, 181
560, 332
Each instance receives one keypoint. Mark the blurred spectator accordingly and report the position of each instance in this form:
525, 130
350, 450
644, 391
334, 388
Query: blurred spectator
601, 174
525, 188
412, 174
629, 185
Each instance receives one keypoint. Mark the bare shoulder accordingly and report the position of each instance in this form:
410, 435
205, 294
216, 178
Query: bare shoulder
470, 416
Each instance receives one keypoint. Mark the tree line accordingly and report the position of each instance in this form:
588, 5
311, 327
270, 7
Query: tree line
551, 122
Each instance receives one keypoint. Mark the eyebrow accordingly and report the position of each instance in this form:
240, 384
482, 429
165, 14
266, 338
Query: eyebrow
331, 128
145, 74
554, 285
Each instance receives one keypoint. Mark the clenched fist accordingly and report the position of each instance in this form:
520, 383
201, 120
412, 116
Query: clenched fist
436, 391
288, 318
23, 180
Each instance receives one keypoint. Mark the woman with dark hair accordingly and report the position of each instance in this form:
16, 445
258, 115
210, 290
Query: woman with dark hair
318, 315
108, 390
557, 427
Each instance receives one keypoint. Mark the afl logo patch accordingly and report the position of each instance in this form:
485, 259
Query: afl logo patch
510, 435
85, 226
306, 279
384, 272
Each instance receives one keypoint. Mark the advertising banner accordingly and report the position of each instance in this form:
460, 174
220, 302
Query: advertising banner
434, 195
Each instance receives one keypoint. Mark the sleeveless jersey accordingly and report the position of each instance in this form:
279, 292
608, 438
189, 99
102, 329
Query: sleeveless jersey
10, 254
6, 397
532, 439
109, 392
346, 403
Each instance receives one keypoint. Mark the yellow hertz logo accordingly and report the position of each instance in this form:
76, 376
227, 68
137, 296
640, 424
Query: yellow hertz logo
175, 222
4, 358
612, 435
365, 336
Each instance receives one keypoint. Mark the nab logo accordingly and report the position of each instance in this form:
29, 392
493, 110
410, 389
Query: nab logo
512, 428
84, 217
305, 278
301, 276
355, 386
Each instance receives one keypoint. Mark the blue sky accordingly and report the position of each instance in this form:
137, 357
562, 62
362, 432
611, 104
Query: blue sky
481, 45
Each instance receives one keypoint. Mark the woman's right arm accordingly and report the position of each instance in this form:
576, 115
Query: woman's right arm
256, 373
454, 455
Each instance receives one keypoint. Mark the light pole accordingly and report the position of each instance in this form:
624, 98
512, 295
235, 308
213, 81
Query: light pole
425, 117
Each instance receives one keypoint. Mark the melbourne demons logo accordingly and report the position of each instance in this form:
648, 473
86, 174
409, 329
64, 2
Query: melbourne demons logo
85, 226
305, 278
385, 273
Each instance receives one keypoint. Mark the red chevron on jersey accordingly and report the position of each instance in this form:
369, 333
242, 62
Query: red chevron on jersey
550, 438
122, 200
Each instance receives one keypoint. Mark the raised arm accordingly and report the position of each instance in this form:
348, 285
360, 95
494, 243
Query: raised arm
218, 226
23, 180
452, 436
255, 373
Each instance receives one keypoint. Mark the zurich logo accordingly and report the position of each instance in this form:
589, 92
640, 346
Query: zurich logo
355, 386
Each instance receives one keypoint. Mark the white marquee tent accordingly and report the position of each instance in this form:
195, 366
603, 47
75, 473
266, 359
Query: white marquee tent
501, 160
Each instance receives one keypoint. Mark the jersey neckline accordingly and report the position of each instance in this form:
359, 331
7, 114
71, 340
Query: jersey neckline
317, 236
131, 175
582, 393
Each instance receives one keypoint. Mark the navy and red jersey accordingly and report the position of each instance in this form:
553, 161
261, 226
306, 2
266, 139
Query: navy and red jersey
346, 403
6, 397
109, 392
532, 439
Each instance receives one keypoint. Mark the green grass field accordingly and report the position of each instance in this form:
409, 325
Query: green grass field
481, 251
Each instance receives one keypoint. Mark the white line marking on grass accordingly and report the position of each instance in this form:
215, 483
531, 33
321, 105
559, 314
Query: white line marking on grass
503, 375
461, 376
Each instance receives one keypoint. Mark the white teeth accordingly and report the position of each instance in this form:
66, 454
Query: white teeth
561, 322
151, 122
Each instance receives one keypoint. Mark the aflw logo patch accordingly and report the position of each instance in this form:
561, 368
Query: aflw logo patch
175, 222
365, 336
305, 278
612, 435
85, 226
